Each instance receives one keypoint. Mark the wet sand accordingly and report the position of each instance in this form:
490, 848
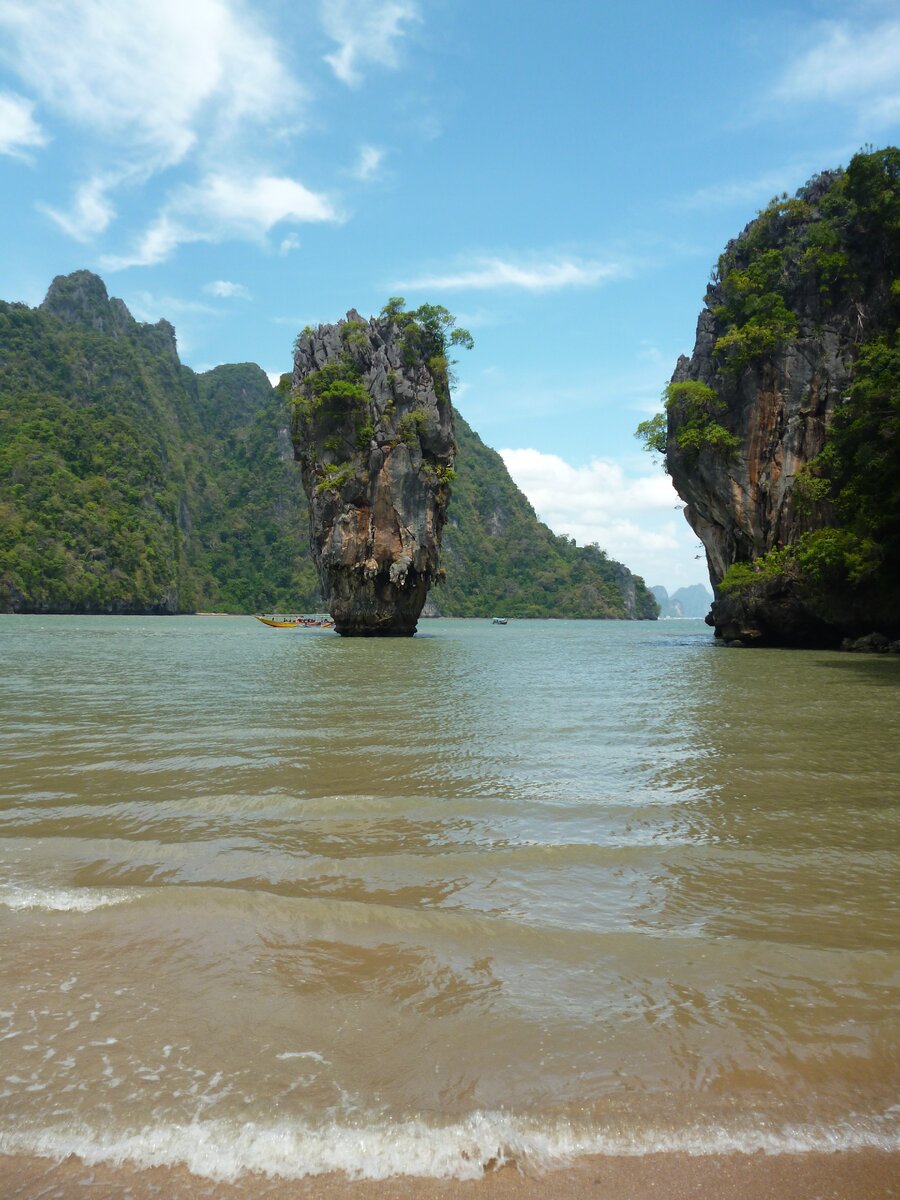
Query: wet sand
842, 1175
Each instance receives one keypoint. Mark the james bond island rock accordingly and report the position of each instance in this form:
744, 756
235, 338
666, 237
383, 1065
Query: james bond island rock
373, 432
782, 431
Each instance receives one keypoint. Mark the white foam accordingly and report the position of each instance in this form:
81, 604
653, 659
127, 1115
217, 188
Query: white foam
313, 1054
224, 1150
80, 900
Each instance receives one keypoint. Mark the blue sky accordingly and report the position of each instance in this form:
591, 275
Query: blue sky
561, 176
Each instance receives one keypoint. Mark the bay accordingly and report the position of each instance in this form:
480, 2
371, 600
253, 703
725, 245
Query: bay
287, 902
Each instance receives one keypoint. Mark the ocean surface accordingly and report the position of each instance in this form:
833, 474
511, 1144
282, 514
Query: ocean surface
281, 901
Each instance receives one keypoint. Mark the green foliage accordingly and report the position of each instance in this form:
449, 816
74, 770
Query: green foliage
863, 459
827, 246
394, 308
831, 557
652, 433
411, 426
334, 476
331, 393
695, 406
428, 333
754, 310
832, 253
819, 562
365, 431
354, 333
128, 483
742, 576
810, 488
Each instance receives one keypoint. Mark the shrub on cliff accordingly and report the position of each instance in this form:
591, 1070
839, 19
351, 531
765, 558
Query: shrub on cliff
798, 353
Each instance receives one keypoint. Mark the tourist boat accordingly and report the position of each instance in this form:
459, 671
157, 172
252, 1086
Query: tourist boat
279, 622
499, 620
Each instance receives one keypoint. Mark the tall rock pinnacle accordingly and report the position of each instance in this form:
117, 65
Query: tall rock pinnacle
373, 432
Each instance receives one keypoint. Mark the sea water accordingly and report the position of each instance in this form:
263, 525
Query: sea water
275, 900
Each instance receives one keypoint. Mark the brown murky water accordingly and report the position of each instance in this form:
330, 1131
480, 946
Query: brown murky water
286, 902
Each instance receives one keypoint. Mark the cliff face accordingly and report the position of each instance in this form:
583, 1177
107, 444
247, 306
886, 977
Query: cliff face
128, 484
373, 433
768, 430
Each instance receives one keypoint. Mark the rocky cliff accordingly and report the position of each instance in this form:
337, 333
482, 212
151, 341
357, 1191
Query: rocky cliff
373, 432
781, 429
130, 484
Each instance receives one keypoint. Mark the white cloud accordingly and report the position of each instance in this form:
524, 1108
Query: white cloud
540, 277
91, 212
153, 83
152, 76
743, 192
222, 207
370, 160
145, 306
633, 518
19, 131
849, 65
289, 243
226, 290
366, 32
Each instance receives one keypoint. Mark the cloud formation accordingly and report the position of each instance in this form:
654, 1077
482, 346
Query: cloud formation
226, 290
742, 193
156, 84
849, 65
369, 162
366, 32
91, 211
19, 131
633, 518
540, 277
221, 207
152, 76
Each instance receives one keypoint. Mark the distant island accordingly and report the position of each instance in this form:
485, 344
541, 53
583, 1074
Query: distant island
693, 601
131, 484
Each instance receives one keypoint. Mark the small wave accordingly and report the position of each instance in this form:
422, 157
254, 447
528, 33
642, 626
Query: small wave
81, 900
485, 1141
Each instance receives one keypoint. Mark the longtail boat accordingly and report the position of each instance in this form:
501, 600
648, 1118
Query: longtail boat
279, 622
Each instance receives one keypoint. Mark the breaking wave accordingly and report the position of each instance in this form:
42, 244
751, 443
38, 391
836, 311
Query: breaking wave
483, 1142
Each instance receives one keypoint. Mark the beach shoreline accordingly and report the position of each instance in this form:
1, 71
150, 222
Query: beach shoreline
839, 1175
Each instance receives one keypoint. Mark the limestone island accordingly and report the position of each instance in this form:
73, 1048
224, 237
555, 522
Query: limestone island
373, 432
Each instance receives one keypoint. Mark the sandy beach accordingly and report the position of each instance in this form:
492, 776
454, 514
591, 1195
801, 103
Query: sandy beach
843, 1175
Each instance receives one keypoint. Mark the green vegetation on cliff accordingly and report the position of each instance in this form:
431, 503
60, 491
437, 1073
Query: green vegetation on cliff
816, 277
835, 247
128, 483
694, 407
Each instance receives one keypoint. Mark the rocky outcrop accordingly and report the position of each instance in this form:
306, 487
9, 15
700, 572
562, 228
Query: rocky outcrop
81, 298
373, 433
796, 298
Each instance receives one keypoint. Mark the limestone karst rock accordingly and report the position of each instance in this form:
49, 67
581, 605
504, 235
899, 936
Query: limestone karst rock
373, 432
782, 425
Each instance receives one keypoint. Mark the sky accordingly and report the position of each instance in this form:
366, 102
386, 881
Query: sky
562, 177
